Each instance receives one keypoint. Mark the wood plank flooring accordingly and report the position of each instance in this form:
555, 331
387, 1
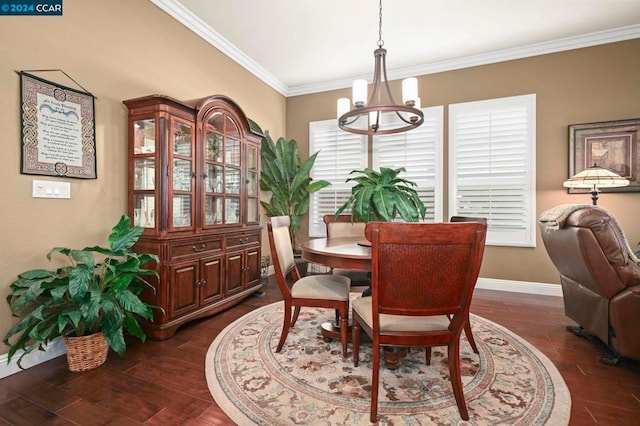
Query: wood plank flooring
163, 383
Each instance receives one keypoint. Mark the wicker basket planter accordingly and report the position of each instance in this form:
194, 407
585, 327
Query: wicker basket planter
86, 352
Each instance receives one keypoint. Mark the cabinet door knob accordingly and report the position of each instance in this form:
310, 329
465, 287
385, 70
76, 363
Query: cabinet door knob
203, 283
201, 248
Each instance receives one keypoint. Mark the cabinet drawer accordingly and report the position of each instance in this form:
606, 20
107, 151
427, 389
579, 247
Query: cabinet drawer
236, 240
196, 247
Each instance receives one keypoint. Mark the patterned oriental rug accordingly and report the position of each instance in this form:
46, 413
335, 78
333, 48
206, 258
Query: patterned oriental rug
509, 383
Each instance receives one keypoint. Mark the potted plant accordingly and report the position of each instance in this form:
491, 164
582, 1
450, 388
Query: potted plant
90, 302
288, 180
382, 196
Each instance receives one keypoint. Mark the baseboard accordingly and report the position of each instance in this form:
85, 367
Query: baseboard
51, 351
56, 348
543, 289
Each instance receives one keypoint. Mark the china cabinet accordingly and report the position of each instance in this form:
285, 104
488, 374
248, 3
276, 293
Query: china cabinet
194, 168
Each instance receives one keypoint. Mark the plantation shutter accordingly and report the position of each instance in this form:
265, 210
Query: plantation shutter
492, 166
339, 154
419, 151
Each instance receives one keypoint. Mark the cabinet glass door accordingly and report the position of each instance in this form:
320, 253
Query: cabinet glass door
182, 143
232, 210
213, 210
253, 182
144, 172
144, 212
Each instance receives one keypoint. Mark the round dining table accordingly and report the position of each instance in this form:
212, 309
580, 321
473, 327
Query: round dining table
343, 252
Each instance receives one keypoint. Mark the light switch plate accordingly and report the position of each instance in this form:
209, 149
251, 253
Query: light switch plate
49, 189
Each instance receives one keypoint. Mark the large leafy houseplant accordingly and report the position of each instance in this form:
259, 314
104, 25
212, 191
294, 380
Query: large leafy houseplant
97, 291
382, 196
288, 180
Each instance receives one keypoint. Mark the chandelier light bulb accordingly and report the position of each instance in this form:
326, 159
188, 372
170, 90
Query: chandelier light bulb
359, 92
409, 91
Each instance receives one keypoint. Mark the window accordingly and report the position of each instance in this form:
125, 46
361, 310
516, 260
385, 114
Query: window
419, 151
492, 166
340, 153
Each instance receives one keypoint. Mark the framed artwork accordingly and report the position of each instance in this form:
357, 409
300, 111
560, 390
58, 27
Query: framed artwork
58, 130
610, 144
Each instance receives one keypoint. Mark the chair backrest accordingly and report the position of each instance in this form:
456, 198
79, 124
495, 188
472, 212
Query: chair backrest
343, 226
282, 252
455, 219
596, 266
588, 247
424, 268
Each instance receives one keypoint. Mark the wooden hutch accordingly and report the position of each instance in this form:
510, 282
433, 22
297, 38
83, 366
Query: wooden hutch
194, 169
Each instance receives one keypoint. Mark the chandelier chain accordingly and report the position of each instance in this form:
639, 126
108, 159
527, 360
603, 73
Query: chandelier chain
380, 41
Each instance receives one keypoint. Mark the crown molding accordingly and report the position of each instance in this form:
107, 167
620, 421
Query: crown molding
559, 45
198, 26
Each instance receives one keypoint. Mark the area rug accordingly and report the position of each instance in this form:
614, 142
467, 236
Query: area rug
508, 383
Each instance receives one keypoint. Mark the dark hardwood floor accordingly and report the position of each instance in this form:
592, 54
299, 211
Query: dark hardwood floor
163, 383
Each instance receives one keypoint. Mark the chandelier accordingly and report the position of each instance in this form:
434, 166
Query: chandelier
380, 101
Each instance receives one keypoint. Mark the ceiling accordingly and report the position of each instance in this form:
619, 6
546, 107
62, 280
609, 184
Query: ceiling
306, 46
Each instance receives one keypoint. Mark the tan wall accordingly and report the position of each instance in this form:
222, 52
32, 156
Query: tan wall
580, 86
116, 49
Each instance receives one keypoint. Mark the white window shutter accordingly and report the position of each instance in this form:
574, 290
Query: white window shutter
492, 166
419, 151
340, 153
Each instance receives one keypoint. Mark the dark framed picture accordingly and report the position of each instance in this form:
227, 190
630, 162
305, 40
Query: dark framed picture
58, 130
610, 144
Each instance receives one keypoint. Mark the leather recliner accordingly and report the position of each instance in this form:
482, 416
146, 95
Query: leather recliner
599, 273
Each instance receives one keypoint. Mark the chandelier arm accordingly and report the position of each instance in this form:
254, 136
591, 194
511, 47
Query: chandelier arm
386, 81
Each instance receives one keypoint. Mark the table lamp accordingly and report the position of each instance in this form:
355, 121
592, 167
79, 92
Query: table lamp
594, 178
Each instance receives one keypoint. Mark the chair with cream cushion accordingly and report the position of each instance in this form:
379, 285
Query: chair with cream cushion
325, 291
344, 226
423, 274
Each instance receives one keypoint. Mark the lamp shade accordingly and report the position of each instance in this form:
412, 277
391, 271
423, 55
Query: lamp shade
596, 177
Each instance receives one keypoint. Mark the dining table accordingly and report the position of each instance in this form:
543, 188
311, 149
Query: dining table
341, 252
347, 253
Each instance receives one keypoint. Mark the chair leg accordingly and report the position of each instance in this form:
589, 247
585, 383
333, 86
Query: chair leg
344, 330
456, 380
427, 352
295, 316
285, 326
355, 337
467, 332
375, 377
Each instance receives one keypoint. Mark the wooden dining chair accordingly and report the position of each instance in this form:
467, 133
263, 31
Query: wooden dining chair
344, 226
422, 272
467, 327
325, 291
